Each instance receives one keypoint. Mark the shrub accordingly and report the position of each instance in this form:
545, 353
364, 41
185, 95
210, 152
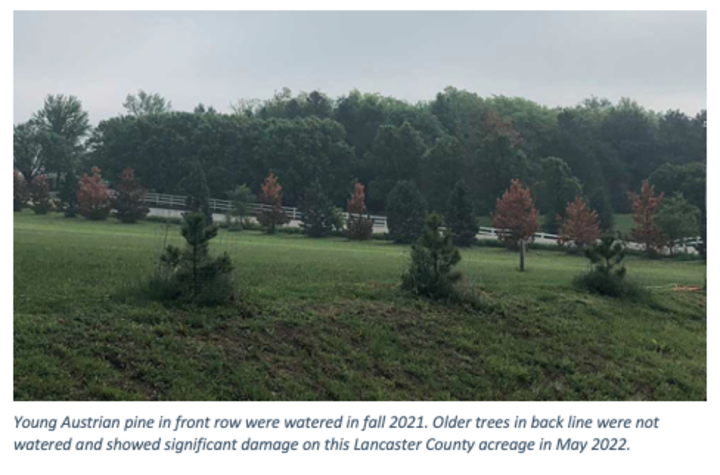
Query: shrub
191, 274
129, 198
460, 216
20, 191
581, 226
433, 257
607, 276
68, 195
515, 215
405, 212
271, 196
93, 197
359, 227
644, 230
40, 195
319, 216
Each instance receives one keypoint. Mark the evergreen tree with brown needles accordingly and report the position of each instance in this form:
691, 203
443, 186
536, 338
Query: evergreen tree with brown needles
129, 199
581, 226
515, 216
359, 225
645, 231
271, 196
40, 194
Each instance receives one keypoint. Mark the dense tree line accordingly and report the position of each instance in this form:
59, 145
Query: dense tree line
311, 142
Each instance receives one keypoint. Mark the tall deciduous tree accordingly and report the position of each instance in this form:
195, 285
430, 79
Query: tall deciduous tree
581, 225
644, 207
93, 197
27, 157
460, 216
144, 103
406, 210
515, 215
62, 124
271, 196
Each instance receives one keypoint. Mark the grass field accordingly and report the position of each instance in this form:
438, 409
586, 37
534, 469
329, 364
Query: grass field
325, 320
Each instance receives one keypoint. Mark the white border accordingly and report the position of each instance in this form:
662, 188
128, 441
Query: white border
683, 444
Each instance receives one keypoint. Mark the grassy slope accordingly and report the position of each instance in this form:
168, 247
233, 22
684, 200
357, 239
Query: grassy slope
325, 320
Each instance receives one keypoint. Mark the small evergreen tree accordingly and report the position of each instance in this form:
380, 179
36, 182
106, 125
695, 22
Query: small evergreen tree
677, 219
607, 275
599, 200
129, 198
93, 197
405, 212
195, 187
580, 227
192, 274
68, 195
433, 257
607, 257
460, 216
241, 198
557, 187
271, 195
515, 216
40, 195
319, 217
359, 227
644, 207
20, 191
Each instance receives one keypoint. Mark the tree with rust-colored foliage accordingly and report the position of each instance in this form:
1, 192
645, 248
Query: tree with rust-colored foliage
129, 199
40, 194
359, 224
581, 226
271, 196
93, 197
515, 215
644, 207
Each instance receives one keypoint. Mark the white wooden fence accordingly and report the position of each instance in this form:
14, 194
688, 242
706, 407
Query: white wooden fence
225, 206
379, 222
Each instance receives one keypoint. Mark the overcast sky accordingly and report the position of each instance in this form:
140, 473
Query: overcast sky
554, 58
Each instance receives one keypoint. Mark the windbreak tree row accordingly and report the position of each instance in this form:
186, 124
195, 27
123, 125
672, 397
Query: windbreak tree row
597, 149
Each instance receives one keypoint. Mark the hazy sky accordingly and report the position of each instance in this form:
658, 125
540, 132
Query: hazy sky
554, 58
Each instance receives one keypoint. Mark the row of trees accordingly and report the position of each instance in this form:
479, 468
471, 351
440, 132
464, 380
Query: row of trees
598, 149
88, 196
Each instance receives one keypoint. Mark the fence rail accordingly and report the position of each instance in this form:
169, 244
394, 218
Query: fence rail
379, 222
225, 206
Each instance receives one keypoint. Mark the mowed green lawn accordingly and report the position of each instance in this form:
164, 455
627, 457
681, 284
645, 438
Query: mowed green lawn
325, 319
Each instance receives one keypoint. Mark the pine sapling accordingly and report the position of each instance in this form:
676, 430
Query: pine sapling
433, 257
